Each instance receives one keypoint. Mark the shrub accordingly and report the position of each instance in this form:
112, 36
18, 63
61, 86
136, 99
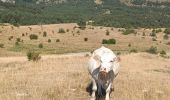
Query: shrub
152, 50
158, 30
153, 39
85, 39
33, 37
10, 38
49, 40
110, 41
129, 45
152, 34
167, 31
128, 31
162, 52
67, 30
40, 45
18, 40
1, 45
133, 50
78, 31
107, 32
16, 43
58, 40
44, 34
61, 30
118, 53
166, 37
34, 56
23, 34
168, 43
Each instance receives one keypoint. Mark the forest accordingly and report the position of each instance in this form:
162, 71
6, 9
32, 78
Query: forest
110, 13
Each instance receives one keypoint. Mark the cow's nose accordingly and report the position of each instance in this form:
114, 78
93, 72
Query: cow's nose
103, 69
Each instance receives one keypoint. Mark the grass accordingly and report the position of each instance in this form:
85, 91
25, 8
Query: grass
69, 43
60, 78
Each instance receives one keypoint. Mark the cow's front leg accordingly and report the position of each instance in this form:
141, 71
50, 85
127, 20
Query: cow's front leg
94, 89
108, 91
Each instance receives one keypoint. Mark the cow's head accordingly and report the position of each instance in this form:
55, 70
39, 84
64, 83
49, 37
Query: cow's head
106, 64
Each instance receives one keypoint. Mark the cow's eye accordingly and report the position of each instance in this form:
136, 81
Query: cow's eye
111, 61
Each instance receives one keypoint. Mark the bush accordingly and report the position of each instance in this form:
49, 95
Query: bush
107, 32
133, 50
152, 50
34, 56
110, 41
23, 34
128, 31
1, 45
166, 37
61, 30
49, 40
153, 39
152, 34
85, 39
67, 30
58, 40
10, 38
168, 43
18, 40
16, 43
163, 52
129, 45
40, 45
167, 31
44, 34
33, 37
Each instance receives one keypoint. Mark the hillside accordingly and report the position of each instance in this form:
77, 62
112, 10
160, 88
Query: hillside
67, 38
103, 13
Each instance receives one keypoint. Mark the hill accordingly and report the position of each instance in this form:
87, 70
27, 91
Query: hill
108, 13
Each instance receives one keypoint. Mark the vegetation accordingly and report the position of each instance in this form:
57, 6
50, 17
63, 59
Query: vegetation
44, 34
34, 56
40, 45
110, 41
49, 40
128, 31
18, 40
166, 37
26, 13
152, 50
57, 40
107, 32
133, 50
168, 43
167, 31
33, 37
163, 52
1, 45
61, 30
85, 39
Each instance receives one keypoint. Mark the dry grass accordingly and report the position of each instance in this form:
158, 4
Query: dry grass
72, 41
142, 77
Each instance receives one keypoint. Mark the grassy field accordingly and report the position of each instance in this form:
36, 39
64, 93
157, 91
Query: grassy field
65, 77
73, 40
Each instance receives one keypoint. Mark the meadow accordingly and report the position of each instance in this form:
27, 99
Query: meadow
142, 76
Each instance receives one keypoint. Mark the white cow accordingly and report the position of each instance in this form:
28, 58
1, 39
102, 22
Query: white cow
103, 67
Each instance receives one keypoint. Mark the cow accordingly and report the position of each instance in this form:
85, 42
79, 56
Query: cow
103, 68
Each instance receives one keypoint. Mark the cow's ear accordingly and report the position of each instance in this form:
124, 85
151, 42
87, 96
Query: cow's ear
118, 59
